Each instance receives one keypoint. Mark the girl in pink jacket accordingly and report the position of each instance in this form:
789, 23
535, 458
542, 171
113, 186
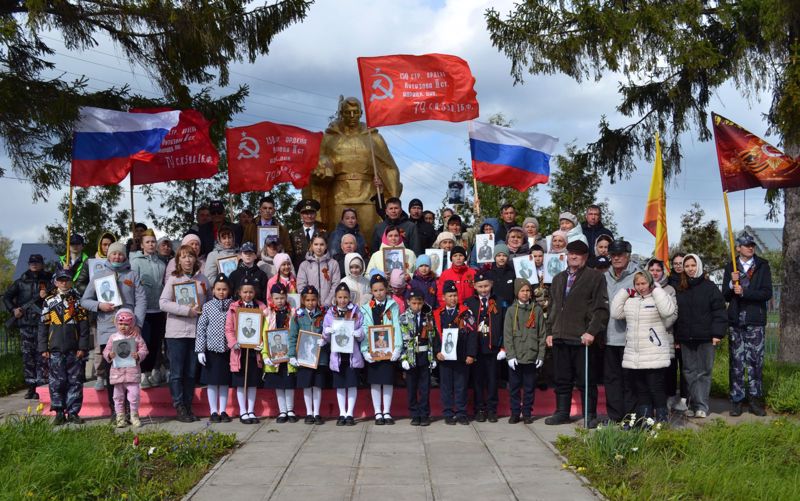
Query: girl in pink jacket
125, 377
284, 275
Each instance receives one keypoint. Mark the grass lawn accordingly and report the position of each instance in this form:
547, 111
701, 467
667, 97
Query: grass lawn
720, 461
95, 463
11, 378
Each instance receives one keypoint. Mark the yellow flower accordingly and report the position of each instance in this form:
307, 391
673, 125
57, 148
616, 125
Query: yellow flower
124, 496
581, 469
39, 408
29, 409
618, 457
564, 466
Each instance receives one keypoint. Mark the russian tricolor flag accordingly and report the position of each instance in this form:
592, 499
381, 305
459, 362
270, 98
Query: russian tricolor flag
505, 157
106, 142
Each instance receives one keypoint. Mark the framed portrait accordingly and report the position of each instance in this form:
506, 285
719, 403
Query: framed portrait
553, 265
228, 265
524, 267
278, 345
123, 353
394, 258
343, 337
185, 293
96, 264
293, 300
455, 192
107, 290
248, 327
266, 234
381, 342
484, 245
308, 349
450, 344
437, 260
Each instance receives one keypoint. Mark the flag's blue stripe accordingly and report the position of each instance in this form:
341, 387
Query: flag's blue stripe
104, 145
519, 157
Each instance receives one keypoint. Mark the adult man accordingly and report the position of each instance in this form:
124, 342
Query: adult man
620, 396
208, 231
396, 217
24, 299
266, 213
747, 291
578, 314
447, 213
279, 349
184, 299
248, 330
345, 176
593, 227
78, 266
426, 233
150, 268
300, 239
106, 294
135, 244
508, 220
202, 216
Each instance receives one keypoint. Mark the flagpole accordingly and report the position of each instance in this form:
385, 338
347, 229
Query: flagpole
477, 202
133, 219
69, 226
730, 233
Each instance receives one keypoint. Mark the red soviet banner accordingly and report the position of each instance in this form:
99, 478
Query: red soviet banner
186, 151
265, 154
401, 88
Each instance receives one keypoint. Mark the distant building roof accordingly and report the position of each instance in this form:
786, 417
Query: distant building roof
767, 239
50, 257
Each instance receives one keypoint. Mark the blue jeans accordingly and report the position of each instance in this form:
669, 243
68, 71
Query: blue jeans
182, 366
453, 377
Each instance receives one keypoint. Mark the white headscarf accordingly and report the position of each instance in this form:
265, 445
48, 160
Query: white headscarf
699, 264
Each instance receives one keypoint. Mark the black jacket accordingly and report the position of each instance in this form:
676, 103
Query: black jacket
753, 301
24, 292
426, 234
503, 283
256, 276
467, 344
701, 312
585, 309
591, 234
491, 341
65, 324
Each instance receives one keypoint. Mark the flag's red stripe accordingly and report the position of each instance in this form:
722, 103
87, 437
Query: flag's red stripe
505, 175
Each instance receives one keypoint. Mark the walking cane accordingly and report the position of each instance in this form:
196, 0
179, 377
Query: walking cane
586, 388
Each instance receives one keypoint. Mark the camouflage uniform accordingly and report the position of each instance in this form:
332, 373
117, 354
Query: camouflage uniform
746, 353
24, 293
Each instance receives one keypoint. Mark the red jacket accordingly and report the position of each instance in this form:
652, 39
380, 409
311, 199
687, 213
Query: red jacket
463, 276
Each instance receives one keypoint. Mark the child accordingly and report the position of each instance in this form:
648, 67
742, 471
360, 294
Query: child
127, 379
524, 335
424, 281
212, 348
397, 284
453, 374
382, 310
345, 366
319, 270
392, 238
488, 316
460, 274
251, 368
503, 275
63, 338
416, 326
284, 274
309, 318
266, 261
279, 376
247, 268
224, 247
355, 279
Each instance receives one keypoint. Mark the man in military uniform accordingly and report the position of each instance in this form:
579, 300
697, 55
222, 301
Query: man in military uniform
24, 300
64, 340
301, 238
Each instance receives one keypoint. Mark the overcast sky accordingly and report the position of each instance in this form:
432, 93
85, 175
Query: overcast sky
312, 63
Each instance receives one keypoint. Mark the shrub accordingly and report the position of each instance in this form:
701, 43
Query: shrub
11, 378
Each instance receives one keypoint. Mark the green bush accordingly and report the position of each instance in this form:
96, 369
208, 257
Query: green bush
11, 378
96, 463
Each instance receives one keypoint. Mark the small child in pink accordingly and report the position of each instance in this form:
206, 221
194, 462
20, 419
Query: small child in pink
126, 379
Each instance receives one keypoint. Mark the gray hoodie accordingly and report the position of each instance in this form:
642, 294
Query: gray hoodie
615, 332
151, 269
133, 297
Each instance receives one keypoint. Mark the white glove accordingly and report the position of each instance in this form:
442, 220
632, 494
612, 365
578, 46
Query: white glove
501, 355
405, 365
293, 362
433, 364
260, 347
368, 357
268, 361
396, 355
539, 364
328, 330
321, 342
236, 346
201, 357
512, 364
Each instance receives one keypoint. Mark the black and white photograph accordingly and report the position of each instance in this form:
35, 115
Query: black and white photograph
437, 260
381, 342
485, 248
185, 293
96, 264
228, 265
524, 267
455, 192
248, 327
278, 345
308, 349
293, 300
266, 234
394, 258
343, 337
107, 290
123, 353
553, 265
450, 343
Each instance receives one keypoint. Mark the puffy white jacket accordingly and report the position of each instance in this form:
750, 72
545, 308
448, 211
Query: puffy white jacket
648, 341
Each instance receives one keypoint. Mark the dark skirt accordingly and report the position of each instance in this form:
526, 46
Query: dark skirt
254, 372
381, 372
217, 370
308, 378
347, 377
280, 380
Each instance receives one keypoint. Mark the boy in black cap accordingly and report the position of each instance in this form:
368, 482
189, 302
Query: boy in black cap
416, 326
247, 268
488, 316
302, 237
24, 300
453, 374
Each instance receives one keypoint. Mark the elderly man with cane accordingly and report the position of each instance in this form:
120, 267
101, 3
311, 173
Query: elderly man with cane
578, 313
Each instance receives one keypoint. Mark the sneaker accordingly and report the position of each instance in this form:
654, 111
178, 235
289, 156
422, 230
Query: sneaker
318, 420
425, 421
75, 419
309, 419
292, 417
224, 417
135, 421
59, 419
282, 418
145, 382
341, 421
100, 384
155, 378
671, 401
121, 423
689, 413
463, 420
700, 414
736, 409
680, 405
214, 418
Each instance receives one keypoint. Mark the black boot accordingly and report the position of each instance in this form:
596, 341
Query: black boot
183, 415
561, 416
31, 394
757, 407
736, 409
662, 415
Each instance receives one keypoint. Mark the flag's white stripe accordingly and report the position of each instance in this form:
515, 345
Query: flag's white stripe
102, 120
503, 135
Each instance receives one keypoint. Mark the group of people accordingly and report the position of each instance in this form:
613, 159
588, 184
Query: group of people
473, 325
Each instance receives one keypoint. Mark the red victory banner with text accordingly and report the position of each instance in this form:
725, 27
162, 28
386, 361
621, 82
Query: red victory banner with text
402, 88
747, 161
186, 151
265, 154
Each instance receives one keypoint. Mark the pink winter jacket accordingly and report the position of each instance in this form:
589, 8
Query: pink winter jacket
180, 322
128, 374
230, 335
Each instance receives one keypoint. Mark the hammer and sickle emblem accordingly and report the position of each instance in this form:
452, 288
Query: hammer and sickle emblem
248, 147
378, 84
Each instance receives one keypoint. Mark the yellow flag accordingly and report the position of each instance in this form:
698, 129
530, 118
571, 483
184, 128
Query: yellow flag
655, 215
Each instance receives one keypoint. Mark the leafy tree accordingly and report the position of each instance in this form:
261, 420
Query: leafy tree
91, 217
703, 238
672, 55
8, 262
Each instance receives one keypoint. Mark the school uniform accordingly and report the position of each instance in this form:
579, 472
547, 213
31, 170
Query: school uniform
253, 364
488, 315
210, 339
345, 367
385, 312
282, 375
417, 332
311, 321
453, 374
524, 338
